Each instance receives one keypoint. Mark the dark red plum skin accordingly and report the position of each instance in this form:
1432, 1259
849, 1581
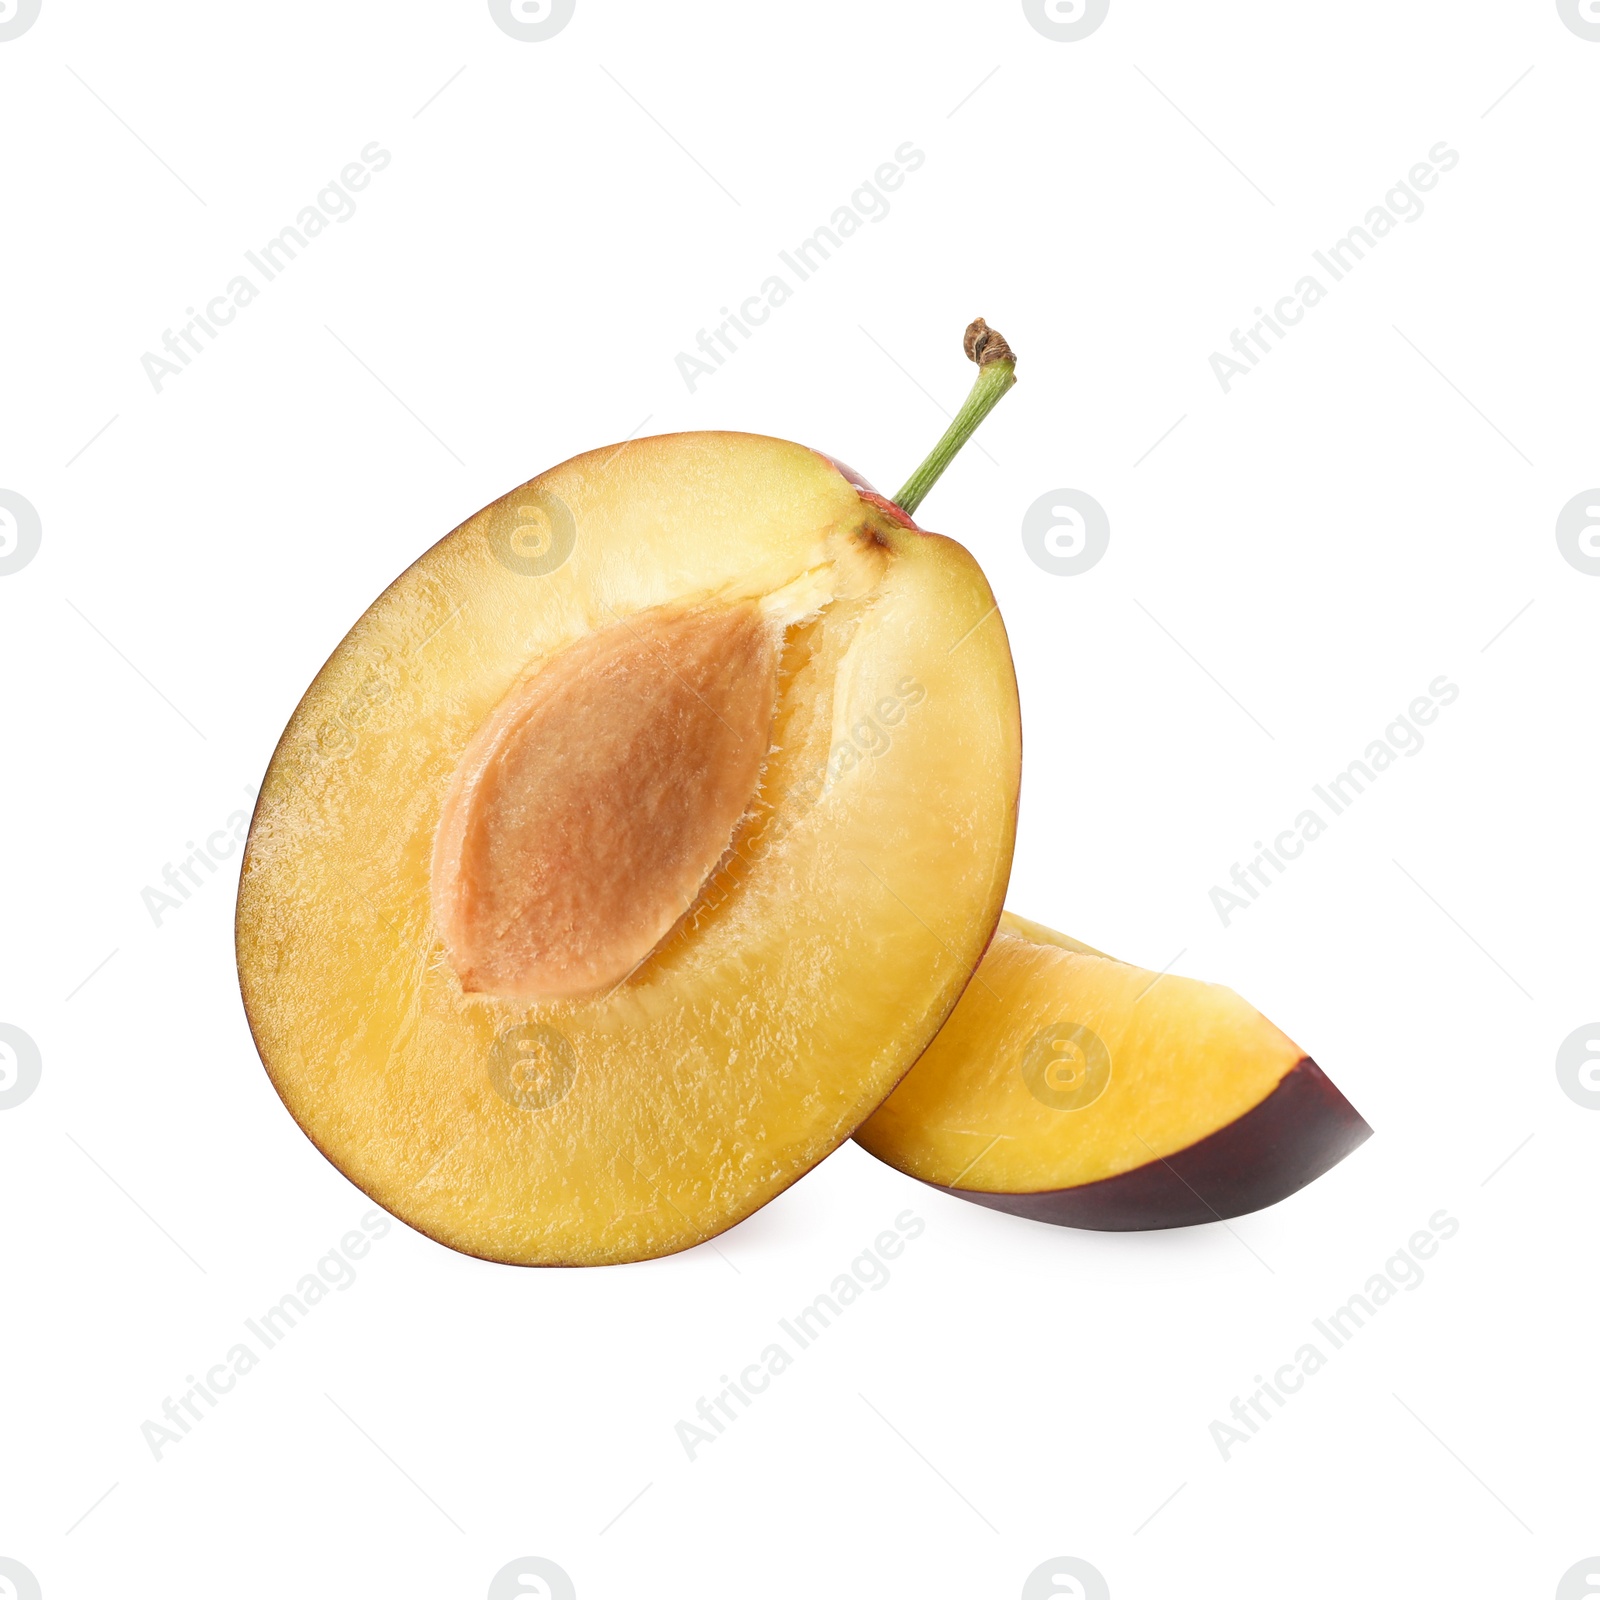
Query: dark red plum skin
1304, 1127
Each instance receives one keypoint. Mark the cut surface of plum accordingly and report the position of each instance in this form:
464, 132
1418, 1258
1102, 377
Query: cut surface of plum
595, 894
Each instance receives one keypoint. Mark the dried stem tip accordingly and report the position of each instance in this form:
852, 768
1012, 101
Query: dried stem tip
984, 345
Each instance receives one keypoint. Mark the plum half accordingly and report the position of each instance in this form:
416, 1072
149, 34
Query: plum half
630, 847
1074, 1088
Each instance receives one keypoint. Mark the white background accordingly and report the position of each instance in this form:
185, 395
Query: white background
1289, 566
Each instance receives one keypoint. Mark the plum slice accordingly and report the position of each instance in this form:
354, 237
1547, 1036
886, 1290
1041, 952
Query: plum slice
1074, 1088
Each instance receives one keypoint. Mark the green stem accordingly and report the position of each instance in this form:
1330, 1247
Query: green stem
996, 373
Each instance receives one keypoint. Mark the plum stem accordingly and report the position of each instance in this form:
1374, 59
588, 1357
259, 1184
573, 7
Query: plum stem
997, 371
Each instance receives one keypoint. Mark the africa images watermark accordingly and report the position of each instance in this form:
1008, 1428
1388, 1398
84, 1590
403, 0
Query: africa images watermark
868, 1271
1402, 1270
532, 21
21, 1066
336, 1270
1401, 204
867, 204
182, 880
866, 740
334, 203
20, 532
1065, 532
1401, 738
